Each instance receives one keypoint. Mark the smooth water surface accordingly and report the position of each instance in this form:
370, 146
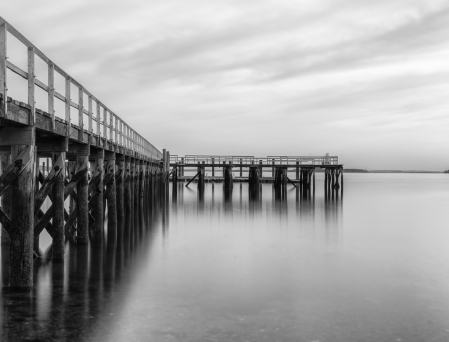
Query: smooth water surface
373, 266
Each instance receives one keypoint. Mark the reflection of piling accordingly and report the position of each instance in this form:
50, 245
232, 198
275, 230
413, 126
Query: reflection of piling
201, 176
280, 182
227, 170
254, 182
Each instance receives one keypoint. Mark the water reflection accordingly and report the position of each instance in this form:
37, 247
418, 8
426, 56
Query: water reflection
70, 298
74, 299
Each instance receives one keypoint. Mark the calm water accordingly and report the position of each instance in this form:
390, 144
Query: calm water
371, 267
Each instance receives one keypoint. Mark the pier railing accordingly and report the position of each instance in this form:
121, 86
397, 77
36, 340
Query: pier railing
94, 117
269, 160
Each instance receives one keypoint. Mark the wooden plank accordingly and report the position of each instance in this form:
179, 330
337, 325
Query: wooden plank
78, 149
17, 135
31, 90
67, 106
51, 94
59, 96
15, 69
3, 63
53, 144
80, 113
5, 149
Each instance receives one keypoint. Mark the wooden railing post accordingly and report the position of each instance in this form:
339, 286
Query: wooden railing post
51, 94
67, 106
80, 113
3, 78
31, 80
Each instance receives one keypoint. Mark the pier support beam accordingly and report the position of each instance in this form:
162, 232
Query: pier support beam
254, 177
111, 195
227, 170
120, 193
97, 168
82, 191
201, 174
5, 160
22, 217
58, 249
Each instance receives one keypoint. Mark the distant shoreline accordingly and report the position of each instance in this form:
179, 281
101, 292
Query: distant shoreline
390, 171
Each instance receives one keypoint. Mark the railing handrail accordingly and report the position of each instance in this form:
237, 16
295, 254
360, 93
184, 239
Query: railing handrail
119, 131
285, 160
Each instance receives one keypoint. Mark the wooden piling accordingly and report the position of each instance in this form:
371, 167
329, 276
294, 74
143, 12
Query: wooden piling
228, 176
22, 218
58, 248
120, 193
213, 167
200, 176
297, 170
6, 200
111, 194
82, 231
97, 207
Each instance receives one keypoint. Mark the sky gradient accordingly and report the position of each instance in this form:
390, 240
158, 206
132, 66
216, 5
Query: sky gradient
367, 81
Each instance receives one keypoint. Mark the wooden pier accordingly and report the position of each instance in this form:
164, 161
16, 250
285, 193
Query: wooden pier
303, 167
83, 165
91, 171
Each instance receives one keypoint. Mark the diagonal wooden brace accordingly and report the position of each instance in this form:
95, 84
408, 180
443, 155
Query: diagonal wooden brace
15, 169
67, 190
5, 221
47, 185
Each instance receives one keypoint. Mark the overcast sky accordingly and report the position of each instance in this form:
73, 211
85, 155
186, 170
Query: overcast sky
365, 80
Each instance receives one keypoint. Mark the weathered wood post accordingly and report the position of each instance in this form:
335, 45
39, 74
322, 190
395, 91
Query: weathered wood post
111, 195
333, 182
241, 168
97, 168
141, 186
22, 213
36, 190
120, 193
313, 183
200, 169
325, 183
213, 167
82, 207
228, 176
175, 175
254, 177
260, 170
6, 197
297, 169
273, 169
182, 168
58, 249
284, 181
342, 182
132, 174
